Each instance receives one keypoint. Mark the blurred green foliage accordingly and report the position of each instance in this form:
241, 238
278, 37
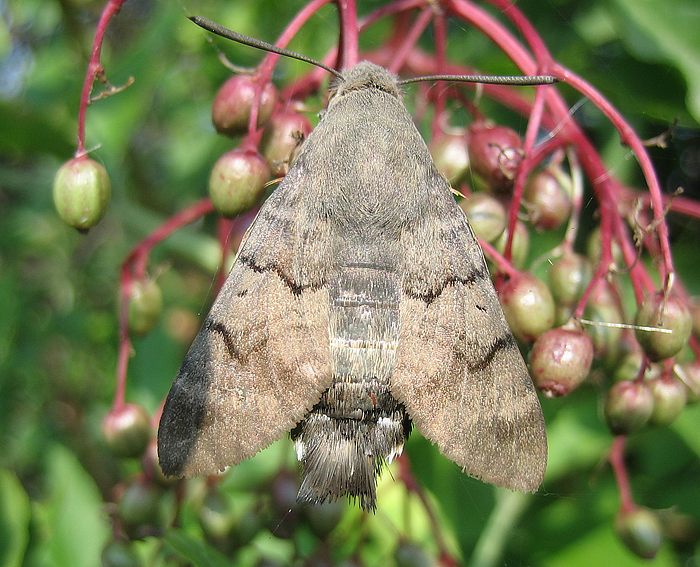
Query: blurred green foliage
58, 327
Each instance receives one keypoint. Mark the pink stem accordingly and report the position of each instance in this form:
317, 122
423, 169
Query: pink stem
503, 265
264, 74
389, 10
349, 30
526, 165
617, 461
410, 40
94, 68
590, 160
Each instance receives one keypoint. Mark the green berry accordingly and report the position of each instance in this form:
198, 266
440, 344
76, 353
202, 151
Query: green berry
81, 192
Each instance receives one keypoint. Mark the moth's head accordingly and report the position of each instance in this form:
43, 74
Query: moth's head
365, 76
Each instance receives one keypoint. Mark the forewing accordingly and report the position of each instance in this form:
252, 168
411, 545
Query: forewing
459, 372
261, 360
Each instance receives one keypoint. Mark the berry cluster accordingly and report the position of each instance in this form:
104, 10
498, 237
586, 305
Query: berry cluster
569, 308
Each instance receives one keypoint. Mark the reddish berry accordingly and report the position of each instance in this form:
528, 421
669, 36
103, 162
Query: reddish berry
547, 202
283, 136
560, 360
495, 153
230, 111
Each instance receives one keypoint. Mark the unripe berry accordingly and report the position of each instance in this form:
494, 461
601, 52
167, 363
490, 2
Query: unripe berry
451, 156
602, 307
560, 360
527, 305
670, 397
628, 406
629, 366
237, 181
230, 111
119, 553
547, 202
495, 153
127, 430
671, 314
568, 278
145, 306
81, 192
215, 516
139, 506
640, 531
283, 136
323, 518
486, 215
520, 247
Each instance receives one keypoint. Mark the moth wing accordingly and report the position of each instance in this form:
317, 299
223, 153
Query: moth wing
261, 360
459, 372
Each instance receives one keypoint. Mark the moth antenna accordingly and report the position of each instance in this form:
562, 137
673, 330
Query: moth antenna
222, 31
516, 80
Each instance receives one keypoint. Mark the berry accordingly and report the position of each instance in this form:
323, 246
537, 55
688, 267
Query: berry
127, 430
237, 181
528, 306
670, 397
520, 247
495, 153
230, 111
547, 202
451, 156
628, 406
640, 531
139, 506
408, 554
671, 314
283, 136
119, 553
560, 360
568, 278
81, 192
145, 306
486, 215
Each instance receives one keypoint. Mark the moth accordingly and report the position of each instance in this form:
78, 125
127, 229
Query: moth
359, 305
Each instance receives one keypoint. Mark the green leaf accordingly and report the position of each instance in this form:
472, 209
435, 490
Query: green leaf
194, 550
75, 525
666, 33
14, 519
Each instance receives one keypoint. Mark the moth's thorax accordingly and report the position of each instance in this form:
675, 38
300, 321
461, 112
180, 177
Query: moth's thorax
368, 159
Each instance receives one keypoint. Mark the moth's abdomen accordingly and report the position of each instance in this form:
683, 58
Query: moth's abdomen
357, 425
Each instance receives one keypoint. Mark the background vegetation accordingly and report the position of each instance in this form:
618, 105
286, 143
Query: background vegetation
58, 289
